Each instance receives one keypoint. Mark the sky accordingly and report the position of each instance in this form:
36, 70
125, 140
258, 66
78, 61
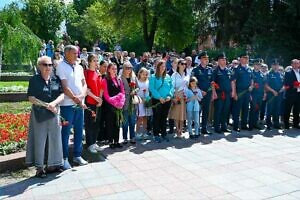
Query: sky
6, 2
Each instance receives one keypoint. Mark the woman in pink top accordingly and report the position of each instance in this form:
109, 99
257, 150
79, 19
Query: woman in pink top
114, 95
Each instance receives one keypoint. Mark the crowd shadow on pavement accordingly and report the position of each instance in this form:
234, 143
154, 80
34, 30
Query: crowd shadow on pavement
15, 189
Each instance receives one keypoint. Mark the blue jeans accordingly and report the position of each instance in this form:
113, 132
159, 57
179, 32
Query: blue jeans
129, 120
193, 116
75, 118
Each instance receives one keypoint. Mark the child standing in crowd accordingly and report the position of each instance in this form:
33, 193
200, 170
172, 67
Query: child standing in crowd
92, 100
114, 95
142, 111
194, 96
129, 80
161, 88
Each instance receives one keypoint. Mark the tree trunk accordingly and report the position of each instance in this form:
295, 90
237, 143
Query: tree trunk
1, 50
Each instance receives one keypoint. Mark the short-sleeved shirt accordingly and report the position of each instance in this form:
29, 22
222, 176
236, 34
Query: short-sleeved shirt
93, 82
275, 80
43, 91
204, 76
223, 78
74, 76
259, 82
243, 77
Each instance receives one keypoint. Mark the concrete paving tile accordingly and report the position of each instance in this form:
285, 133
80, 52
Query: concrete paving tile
93, 182
266, 179
268, 192
77, 194
285, 187
249, 183
248, 195
45, 190
212, 191
100, 190
115, 179
124, 186
295, 194
284, 197
71, 186
156, 191
144, 183
225, 197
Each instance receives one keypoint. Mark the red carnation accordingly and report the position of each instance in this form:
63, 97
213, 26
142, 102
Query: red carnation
296, 84
132, 84
215, 85
256, 85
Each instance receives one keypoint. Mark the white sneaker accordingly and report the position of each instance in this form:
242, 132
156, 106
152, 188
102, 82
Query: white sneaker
92, 149
97, 147
66, 164
80, 161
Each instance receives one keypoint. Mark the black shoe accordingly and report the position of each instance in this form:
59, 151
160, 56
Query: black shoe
118, 145
296, 127
205, 132
41, 173
257, 127
237, 129
225, 130
269, 128
196, 136
112, 146
245, 128
192, 137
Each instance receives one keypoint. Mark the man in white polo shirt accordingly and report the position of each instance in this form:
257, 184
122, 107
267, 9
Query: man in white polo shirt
74, 86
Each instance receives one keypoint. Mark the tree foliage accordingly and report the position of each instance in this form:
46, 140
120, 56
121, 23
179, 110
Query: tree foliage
18, 42
43, 17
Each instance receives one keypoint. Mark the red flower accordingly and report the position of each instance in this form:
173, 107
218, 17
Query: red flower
286, 87
296, 84
215, 85
132, 84
256, 85
223, 96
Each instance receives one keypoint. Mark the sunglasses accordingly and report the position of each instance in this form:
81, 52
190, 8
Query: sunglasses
128, 68
183, 63
47, 65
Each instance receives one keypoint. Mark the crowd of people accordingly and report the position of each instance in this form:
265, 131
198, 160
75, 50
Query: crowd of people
149, 98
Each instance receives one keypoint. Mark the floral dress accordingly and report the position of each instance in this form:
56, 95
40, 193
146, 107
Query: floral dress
143, 92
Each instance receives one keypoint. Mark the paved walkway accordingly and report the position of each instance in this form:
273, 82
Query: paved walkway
247, 165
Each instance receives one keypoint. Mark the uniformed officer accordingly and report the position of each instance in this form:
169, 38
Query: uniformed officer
274, 86
204, 74
257, 95
221, 94
242, 85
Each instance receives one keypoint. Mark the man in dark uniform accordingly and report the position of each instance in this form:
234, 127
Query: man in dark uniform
221, 94
274, 86
292, 95
242, 85
204, 74
257, 95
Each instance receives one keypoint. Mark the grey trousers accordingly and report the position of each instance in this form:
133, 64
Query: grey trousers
36, 142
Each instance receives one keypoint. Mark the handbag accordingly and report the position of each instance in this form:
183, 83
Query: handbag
135, 99
42, 114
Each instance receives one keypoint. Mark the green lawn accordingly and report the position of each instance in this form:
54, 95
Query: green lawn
13, 83
15, 107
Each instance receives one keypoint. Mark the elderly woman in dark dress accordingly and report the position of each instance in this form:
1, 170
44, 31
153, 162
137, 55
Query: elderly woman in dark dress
45, 93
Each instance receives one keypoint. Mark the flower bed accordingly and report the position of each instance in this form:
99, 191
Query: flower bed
13, 132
